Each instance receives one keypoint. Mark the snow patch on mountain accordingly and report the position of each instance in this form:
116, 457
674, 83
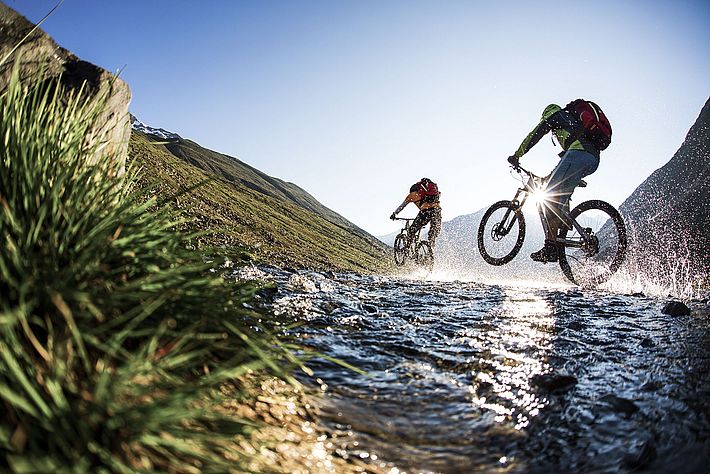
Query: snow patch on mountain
156, 132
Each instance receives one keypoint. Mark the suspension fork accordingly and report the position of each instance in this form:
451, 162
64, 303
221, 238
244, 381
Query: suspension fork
518, 204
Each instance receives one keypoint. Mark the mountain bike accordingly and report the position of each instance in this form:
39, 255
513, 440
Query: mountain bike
412, 248
591, 241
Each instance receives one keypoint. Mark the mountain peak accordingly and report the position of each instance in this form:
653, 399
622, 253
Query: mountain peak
161, 133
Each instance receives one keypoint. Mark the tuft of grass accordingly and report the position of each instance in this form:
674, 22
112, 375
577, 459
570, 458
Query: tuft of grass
115, 336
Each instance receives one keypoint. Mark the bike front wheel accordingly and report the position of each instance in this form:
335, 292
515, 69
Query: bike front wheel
425, 255
400, 249
501, 233
591, 261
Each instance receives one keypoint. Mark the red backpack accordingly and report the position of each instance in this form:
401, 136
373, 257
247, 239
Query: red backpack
428, 190
595, 127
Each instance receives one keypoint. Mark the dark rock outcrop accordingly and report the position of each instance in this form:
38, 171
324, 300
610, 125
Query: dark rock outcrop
668, 214
38, 53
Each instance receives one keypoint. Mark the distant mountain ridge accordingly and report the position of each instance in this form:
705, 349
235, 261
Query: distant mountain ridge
277, 220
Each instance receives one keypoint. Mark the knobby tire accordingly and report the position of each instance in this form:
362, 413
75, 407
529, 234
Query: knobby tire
582, 270
425, 255
485, 231
400, 249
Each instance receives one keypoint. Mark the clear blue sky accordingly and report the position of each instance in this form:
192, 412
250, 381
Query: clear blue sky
356, 100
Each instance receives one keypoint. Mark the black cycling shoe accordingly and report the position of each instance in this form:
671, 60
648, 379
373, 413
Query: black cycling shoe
547, 254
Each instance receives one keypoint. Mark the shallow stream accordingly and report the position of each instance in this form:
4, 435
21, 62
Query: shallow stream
473, 377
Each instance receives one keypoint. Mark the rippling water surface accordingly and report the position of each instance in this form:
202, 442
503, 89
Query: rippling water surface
469, 377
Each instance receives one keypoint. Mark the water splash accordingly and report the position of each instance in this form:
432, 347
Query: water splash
668, 275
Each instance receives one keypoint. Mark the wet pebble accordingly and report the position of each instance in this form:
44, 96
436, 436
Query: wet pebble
620, 404
301, 284
369, 308
554, 381
483, 388
576, 326
641, 458
676, 308
647, 343
651, 386
329, 306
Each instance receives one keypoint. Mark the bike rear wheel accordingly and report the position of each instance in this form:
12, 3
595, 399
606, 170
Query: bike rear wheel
591, 264
501, 233
425, 255
400, 249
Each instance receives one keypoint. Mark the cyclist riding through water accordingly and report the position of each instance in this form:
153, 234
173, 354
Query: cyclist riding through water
582, 131
425, 195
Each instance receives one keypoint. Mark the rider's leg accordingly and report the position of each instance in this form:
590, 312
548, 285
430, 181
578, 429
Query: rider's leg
574, 165
435, 227
417, 224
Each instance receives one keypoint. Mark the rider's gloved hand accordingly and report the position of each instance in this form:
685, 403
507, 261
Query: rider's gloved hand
393, 216
513, 160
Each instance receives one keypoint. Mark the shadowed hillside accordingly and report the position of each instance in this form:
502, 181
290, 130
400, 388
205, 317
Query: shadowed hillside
668, 214
277, 222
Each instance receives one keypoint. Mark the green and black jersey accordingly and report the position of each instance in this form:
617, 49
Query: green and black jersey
564, 125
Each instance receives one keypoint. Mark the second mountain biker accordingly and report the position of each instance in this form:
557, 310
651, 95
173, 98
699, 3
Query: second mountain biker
425, 195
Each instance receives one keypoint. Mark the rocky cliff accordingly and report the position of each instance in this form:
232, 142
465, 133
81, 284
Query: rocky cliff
35, 52
669, 213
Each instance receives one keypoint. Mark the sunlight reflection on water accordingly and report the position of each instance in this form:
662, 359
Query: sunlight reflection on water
451, 366
528, 316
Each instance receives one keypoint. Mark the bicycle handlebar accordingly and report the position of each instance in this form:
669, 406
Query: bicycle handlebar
403, 219
520, 169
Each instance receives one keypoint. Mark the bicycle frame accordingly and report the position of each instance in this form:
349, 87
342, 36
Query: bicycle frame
536, 184
405, 230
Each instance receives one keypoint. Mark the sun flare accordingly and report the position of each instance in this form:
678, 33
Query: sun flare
539, 197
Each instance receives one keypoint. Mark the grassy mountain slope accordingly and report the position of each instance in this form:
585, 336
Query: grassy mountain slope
238, 172
277, 222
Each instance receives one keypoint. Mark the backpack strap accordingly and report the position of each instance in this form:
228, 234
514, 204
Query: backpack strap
575, 135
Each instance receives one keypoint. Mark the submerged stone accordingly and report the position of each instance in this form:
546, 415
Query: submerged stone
641, 458
676, 308
369, 308
647, 343
554, 381
620, 404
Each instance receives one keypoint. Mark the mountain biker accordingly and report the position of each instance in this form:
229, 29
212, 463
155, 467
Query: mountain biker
425, 195
579, 158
